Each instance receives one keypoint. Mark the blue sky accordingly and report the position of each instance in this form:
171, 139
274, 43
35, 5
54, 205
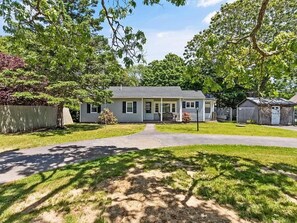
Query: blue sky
168, 28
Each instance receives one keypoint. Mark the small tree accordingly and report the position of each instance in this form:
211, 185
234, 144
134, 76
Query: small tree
107, 117
186, 117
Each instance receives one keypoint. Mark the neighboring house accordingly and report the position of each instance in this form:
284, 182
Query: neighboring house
141, 104
264, 111
294, 98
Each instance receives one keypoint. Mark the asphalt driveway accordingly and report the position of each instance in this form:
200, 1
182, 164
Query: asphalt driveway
17, 164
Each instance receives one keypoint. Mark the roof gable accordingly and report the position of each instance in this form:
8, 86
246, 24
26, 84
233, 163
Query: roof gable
273, 101
294, 98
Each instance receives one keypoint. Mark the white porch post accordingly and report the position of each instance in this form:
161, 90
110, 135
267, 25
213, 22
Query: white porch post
161, 110
142, 105
211, 109
203, 111
180, 110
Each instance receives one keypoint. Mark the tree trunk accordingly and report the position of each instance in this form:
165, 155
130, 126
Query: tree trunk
60, 121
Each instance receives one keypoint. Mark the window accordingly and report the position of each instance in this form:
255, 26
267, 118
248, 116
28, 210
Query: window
190, 104
173, 107
169, 107
157, 107
166, 108
207, 107
129, 108
148, 107
94, 109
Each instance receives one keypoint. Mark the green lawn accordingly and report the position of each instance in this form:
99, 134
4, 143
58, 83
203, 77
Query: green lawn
256, 182
226, 129
71, 133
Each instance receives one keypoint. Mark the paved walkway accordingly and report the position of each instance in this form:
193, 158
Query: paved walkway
294, 128
16, 164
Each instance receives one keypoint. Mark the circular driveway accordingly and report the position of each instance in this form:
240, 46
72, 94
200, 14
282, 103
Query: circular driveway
16, 164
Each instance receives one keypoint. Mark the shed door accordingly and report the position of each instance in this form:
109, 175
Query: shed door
275, 115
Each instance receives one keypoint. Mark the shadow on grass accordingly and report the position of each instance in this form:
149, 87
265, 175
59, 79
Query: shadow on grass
229, 180
69, 129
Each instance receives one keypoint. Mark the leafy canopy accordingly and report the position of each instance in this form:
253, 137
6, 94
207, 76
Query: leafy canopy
226, 51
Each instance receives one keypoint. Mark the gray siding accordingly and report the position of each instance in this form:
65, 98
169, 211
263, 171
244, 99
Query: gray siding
87, 117
116, 108
247, 113
193, 111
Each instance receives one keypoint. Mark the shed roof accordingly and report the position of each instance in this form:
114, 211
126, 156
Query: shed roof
272, 101
294, 98
146, 92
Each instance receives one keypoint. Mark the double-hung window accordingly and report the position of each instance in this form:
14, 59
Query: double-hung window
129, 107
190, 104
94, 109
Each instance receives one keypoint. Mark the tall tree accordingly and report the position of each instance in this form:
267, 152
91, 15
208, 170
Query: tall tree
60, 47
249, 43
166, 72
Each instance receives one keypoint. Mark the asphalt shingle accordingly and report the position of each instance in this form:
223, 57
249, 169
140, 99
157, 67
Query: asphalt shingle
273, 101
146, 92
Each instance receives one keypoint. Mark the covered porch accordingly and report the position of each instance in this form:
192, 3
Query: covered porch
161, 109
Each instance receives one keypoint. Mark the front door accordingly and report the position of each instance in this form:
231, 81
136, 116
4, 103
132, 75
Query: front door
148, 110
275, 115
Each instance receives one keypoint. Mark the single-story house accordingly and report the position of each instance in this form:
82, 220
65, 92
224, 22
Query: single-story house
277, 111
141, 104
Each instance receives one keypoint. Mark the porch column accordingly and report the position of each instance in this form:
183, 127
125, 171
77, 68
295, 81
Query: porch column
180, 110
211, 109
142, 109
203, 111
161, 110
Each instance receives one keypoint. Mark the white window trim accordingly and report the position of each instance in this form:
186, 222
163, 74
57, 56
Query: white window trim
91, 108
167, 102
190, 105
127, 107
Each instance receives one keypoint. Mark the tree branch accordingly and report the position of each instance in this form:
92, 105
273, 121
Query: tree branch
252, 37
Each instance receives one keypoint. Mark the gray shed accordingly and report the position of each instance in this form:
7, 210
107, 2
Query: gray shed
263, 111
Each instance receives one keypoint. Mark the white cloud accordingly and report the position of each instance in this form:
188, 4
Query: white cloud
207, 18
206, 3
161, 43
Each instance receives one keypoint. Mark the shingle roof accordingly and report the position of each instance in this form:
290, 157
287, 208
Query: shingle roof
154, 92
192, 94
294, 98
273, 101
146, 92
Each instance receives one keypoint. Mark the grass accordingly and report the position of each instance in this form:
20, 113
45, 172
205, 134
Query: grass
226, 129
253, 181
71, 133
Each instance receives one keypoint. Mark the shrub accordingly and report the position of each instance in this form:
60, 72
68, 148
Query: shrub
186, 117
107, 117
